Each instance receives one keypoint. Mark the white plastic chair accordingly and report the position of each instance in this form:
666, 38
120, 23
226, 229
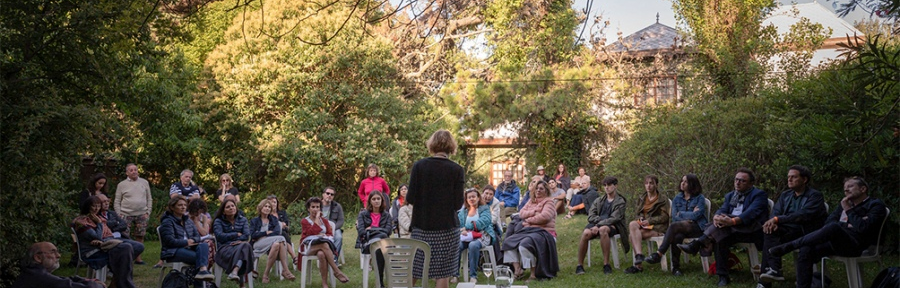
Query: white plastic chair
613, 249
465, 260
664, 264
399, 257
704, 260
852, 264
98, 274
305, 272
752, 252
365, 261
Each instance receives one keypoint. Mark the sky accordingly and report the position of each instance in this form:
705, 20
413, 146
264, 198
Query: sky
633, 15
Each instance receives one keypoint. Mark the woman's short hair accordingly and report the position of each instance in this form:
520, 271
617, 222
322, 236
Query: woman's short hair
312, 200
261, 205
93, 184
88, 203
489, 187
441, 141
370, 167
693, 185
174, 201
369, 201
197, 205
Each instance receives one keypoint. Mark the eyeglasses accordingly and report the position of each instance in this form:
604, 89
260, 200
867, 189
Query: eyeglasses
226, 180
740, 180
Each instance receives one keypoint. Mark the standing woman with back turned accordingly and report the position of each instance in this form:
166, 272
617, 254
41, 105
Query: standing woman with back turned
436, 189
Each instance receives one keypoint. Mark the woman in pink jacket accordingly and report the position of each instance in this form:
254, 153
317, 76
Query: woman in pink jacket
371, 183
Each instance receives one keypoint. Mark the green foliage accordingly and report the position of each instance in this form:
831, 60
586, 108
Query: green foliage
530, 34
314, 116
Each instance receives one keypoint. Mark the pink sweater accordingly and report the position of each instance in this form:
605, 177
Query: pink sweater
372, 183
541, 214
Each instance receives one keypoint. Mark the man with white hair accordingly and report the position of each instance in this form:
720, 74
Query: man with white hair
38, 266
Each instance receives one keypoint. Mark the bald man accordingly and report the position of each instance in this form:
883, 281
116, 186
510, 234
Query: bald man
41, 261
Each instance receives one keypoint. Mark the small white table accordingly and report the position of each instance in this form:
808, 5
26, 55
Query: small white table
473, 285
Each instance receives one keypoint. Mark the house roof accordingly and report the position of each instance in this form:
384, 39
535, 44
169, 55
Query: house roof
654, 37
785, 16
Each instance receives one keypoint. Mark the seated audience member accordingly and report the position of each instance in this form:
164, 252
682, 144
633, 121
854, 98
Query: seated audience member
397, 203
558, 195
508, 194
583, 179
487, 196
283, 219
475, 230
317, 238
585, 198
373, 224
96, 187
573, 199
38, 266
99, 248
203, 223
688, 220
652, 220
116, 224
333, 211
606, 218
798, 211
232, 235
180, 240
265, 236
531, 186
185, 187
562, 177
739, 219
851, 229
227, 188
531, 242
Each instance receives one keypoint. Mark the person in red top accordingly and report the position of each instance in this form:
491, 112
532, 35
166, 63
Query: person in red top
372, 182
317, 238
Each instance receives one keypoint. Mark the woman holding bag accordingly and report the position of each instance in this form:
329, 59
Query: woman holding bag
317, 238
476, 231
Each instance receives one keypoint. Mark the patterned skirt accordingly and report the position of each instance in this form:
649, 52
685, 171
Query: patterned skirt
444, 253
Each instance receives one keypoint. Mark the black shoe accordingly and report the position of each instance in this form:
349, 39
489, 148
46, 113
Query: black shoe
690, 248
638, 259
607, 269
723, 280
653, 258
763, 285
779, 250
579, 270
770, 276
677, 272
633, 270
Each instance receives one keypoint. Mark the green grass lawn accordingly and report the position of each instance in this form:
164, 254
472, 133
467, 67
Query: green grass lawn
569, 231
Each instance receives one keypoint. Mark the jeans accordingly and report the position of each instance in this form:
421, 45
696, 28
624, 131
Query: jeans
338, 240
474, 255
197, 255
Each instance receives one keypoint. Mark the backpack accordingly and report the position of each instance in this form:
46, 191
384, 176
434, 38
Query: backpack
888, 278
734, 264
176, 279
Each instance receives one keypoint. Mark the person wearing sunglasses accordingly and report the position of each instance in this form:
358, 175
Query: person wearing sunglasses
334, 212
227, 187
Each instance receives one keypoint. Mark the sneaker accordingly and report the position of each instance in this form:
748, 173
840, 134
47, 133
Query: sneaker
763, 285
454, 279
653, 258
233, 276
723, 281
633, 270
638, 259
473, 279
579, 270
677, 272
770, 275
607, 269
205, 276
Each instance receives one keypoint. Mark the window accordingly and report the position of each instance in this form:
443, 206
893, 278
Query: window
656, 90
497, 169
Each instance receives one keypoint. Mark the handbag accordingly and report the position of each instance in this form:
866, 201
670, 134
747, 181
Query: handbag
475, 233
110, 244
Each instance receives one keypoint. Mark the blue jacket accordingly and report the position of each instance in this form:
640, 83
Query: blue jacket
811, 215
226, 232
256, 224
683, 210
508, 194
174, 232
484, 222
756, 206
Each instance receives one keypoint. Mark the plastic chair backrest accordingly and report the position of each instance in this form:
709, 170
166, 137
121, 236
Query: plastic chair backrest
77, 245
399, 257
881, 232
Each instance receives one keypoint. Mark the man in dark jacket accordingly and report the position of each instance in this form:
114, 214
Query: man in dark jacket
605, 219
42, 260
739, 219
798, 211
849, 230
115, 223
333, 211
